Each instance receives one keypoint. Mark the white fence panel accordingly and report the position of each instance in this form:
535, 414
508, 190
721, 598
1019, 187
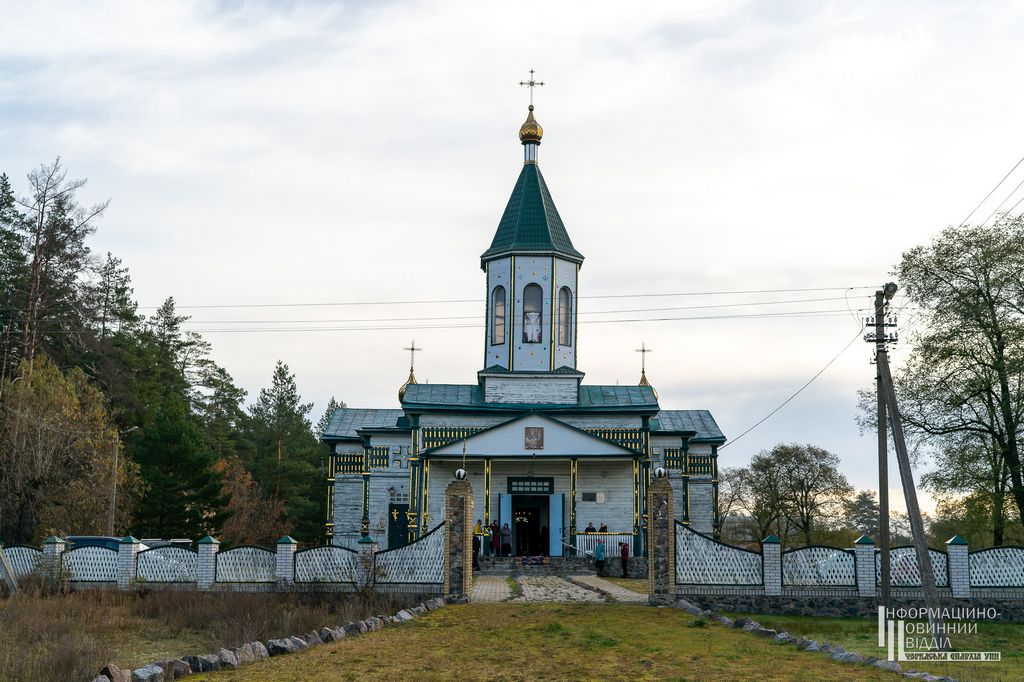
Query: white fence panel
90, 565
23, 559
586, 543
904, 571
703, 561
325, 565
166, 565
420, 562
819, 566
997, 567
246, 564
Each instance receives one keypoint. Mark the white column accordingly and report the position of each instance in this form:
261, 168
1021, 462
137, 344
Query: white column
127, 554
206, 566
284, 568
771, 552
864, 565
959, 567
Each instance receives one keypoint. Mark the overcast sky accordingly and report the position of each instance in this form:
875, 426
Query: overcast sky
304, 152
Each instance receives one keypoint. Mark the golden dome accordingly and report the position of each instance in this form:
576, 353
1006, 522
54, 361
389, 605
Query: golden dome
530, 131
644, 382
410, 380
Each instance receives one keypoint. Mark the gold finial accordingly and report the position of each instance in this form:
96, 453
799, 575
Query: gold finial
530, 131
412, 376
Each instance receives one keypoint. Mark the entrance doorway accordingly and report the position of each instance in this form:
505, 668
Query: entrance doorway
398, 532
530, 530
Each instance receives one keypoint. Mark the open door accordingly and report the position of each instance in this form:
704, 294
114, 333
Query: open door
505, 515
555, 507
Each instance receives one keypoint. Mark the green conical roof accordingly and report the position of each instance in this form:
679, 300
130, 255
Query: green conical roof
531, 223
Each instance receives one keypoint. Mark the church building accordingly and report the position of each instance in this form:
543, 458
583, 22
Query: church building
545, 452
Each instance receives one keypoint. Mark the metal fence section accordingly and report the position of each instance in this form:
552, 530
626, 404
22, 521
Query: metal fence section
701, 560
819, 566
586, 543
23, 559
246, 564
904, 570
997, 567
420, 562
166, 565
329, 564
90, 565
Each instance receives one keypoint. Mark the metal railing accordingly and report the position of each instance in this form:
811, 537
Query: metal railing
586, 543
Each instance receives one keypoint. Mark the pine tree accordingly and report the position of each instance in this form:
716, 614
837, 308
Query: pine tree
285, 457
184, 496
332, 407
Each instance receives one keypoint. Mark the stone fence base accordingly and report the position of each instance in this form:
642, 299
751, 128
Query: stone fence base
849, 607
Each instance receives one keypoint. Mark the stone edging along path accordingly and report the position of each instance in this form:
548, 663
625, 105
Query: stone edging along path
226, 659
834, 651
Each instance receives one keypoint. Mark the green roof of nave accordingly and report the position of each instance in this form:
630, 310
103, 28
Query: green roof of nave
531, 223
346, 421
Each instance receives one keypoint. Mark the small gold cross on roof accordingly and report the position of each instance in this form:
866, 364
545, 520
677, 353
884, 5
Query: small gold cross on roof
532, 83
643, 350
412, 354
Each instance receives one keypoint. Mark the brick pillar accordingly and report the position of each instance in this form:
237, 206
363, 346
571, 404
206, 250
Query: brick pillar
458, 540
864, 563
53, 567
959, 567
661, 540
206, 566
284, 566
127, 554
771, 553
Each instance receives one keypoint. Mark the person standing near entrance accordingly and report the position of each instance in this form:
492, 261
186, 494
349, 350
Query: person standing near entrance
495, 539
477, 532
599, 557
506, 540
624, 553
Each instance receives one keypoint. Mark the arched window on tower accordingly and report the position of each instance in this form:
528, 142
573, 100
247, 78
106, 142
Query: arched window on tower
498, 316
533, 305
565, 317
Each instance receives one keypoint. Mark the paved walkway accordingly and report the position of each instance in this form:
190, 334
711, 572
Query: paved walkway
616, 592
490, 588
552, 588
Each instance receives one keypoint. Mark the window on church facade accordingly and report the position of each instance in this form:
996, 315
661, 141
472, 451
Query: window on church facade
565, 317
498, 316
533, 302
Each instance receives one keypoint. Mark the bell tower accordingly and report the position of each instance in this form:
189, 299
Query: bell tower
532, 279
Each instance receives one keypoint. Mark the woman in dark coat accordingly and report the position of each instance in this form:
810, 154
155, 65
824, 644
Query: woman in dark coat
495, 539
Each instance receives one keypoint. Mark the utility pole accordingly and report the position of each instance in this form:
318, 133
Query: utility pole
924, 563
881, 308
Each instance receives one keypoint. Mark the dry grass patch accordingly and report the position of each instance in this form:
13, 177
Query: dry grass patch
633, 584
551, 642
70, 636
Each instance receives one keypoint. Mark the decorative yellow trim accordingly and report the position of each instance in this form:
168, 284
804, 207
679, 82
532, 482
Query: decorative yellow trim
554, 311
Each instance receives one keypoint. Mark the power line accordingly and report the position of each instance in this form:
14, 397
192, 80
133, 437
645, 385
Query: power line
478, 317
1019, 185
991, 192
798, 391
477, 300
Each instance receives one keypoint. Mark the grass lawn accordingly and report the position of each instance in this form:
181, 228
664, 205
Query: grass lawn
861, 635
635, 584
552, 642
